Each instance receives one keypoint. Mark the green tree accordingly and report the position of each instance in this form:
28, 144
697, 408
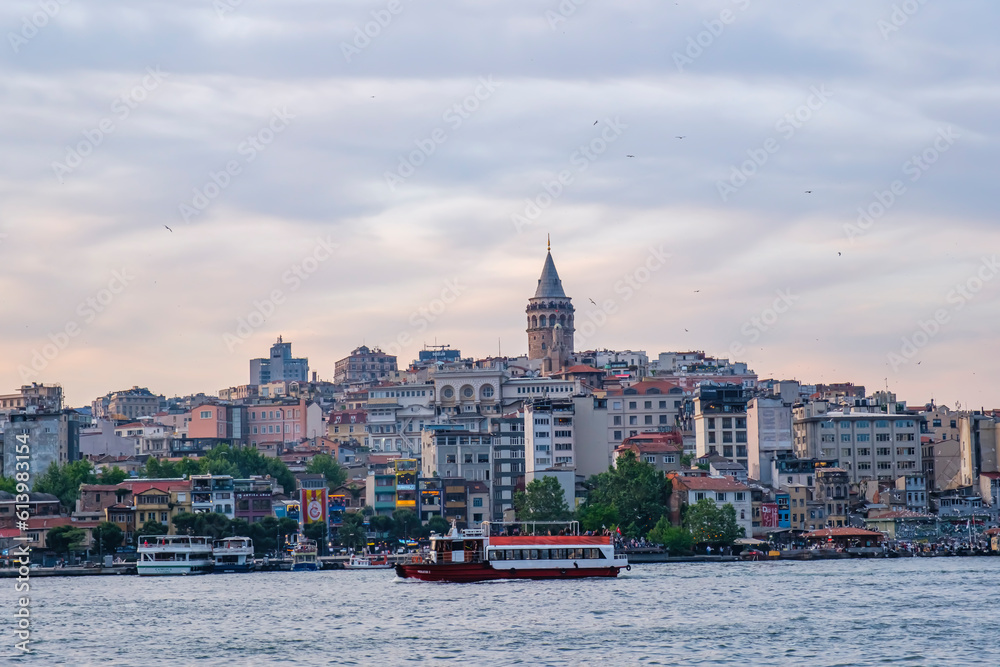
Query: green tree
264, 534
63, 481
152, 527
382, 525
438, 524
8, 484
185, 523
712, 525
211, 524
542, 500
108, 537
406, 522
352, 533
112, 477
326, 465
675, 539
240, 528
637, 493
64, 539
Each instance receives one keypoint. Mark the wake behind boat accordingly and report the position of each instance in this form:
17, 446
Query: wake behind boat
475, 555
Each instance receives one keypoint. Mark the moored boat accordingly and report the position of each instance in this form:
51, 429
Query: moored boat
304, 556
475, 555
174, 554
233, 554
361, 562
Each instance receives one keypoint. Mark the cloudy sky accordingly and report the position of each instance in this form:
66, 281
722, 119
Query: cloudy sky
386, 172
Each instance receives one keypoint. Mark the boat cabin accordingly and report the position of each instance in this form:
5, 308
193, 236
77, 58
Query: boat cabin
466, 546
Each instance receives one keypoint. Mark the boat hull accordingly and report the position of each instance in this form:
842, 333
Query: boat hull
233, 567
305, 567
168, 570
470, 572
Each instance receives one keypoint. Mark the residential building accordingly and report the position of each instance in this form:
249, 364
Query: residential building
280, 365
453, 453
276, 425
549, 443
833, 489
720, 490
720, 421
131, 403
661, 450
506, 462
644, 407
468, 398
396, 415
915, 488
727, 468
36, 397
45, 437
345, 426
867, 443
688, 370
213, 493
252, 498
769, 433
364, 365
478, 499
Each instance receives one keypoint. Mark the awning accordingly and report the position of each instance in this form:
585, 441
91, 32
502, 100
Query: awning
748, 541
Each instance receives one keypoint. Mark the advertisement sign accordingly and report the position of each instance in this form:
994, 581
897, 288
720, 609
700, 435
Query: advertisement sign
314, 508
769, 515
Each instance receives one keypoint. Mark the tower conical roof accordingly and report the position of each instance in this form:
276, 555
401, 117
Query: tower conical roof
549, 284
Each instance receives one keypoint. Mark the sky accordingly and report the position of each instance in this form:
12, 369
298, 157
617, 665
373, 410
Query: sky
806, 187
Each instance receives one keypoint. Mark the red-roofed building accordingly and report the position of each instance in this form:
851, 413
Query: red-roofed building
644, 407
662, 450
348, 425
588, 375
720, 490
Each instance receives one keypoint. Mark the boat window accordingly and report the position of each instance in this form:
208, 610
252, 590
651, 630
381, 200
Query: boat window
496, 554
578, 553
543, 554
510, 554
532, 554
518, 555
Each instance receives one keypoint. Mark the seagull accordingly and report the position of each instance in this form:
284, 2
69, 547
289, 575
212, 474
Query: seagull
169, 230
919, 362
809, 192
592, 301
696, 291
838, 254
595, 122
685, 330
629, 156
680, 137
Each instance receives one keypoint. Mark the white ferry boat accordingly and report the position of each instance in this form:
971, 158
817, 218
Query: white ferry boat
233, 554
174, 554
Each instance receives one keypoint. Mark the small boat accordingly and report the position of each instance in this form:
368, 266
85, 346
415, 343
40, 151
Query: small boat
475, 555
174, 554
368, 563
233, 554
304, 556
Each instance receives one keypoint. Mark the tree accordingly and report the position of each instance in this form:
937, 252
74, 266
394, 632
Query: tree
406, 521
633, 491
152, 527
382, 524
185, 523
64, 539
438, 524
352, 533
542, 500
108, 537
326, 465
8, 484
63, 481
710, 524
674, 539
112, 477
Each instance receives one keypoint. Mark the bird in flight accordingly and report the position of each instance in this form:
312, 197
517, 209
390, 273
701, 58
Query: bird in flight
696, 291
809, 192
592, 301
169, 230
629, 156
595, 122
680, 137
838, 253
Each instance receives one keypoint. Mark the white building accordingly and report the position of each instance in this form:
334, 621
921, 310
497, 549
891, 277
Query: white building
397, 414
769, 433
549, 444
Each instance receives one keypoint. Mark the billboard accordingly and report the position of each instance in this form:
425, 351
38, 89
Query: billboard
314, 506
769, 515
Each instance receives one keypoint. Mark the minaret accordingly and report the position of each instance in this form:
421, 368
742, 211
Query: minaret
550, 320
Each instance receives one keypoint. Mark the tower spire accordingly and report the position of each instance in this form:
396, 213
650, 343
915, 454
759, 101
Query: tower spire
549, 239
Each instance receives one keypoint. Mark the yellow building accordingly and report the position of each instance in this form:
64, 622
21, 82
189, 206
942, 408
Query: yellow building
160, 501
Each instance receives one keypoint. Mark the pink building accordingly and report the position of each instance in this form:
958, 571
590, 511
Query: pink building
271, 425
209, 421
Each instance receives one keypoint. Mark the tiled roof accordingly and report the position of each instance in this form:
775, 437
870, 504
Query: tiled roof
650, 447
846, 531
642, 388
710, 484
898, 514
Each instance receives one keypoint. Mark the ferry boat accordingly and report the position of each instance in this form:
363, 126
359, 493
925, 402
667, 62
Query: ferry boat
174, 554
368, 563
304, 556
233, 554
475, 555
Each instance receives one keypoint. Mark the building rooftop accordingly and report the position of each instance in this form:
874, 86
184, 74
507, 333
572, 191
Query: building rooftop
549, 284
711, 484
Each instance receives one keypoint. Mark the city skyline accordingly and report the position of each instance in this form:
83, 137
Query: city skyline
365, 187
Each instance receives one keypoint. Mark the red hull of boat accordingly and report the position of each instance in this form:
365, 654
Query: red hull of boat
468, 572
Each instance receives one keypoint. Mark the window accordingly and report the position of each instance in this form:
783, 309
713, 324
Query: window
618, 420
663, 405
206, 414
864, 451
649, 458
663, 419
740, 495
845, 437
711, 437
864, 466
647, 405
670, 458
720, 496
845, 452
882, 423
631, 405
648, 420
727, 451
864, 437
450, 458
936, 423
633, 421
699, 495
741, 436
541, 434
727, 436
882, 437
727, 422
617, 435
711, 422
477, 502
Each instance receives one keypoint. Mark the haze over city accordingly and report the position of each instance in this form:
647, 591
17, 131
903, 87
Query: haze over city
700, 167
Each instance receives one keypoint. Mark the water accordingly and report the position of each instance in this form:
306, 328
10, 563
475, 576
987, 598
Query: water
915, 611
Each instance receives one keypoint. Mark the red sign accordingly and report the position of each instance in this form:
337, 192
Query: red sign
769, 515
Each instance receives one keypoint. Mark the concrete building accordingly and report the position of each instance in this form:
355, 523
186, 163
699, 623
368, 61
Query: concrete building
213, 493
690, 369
468, 398
277, 425
868, 444
550, 321
833, 489
45, 437
978, 435
644, 407
280, 365
35, 396
345, 426
663, 451
131, 403
396, 415
942, 449
769, 434
507, 462
253, 499
720, 421
364, 365
455, 453
915, 488
720, 490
